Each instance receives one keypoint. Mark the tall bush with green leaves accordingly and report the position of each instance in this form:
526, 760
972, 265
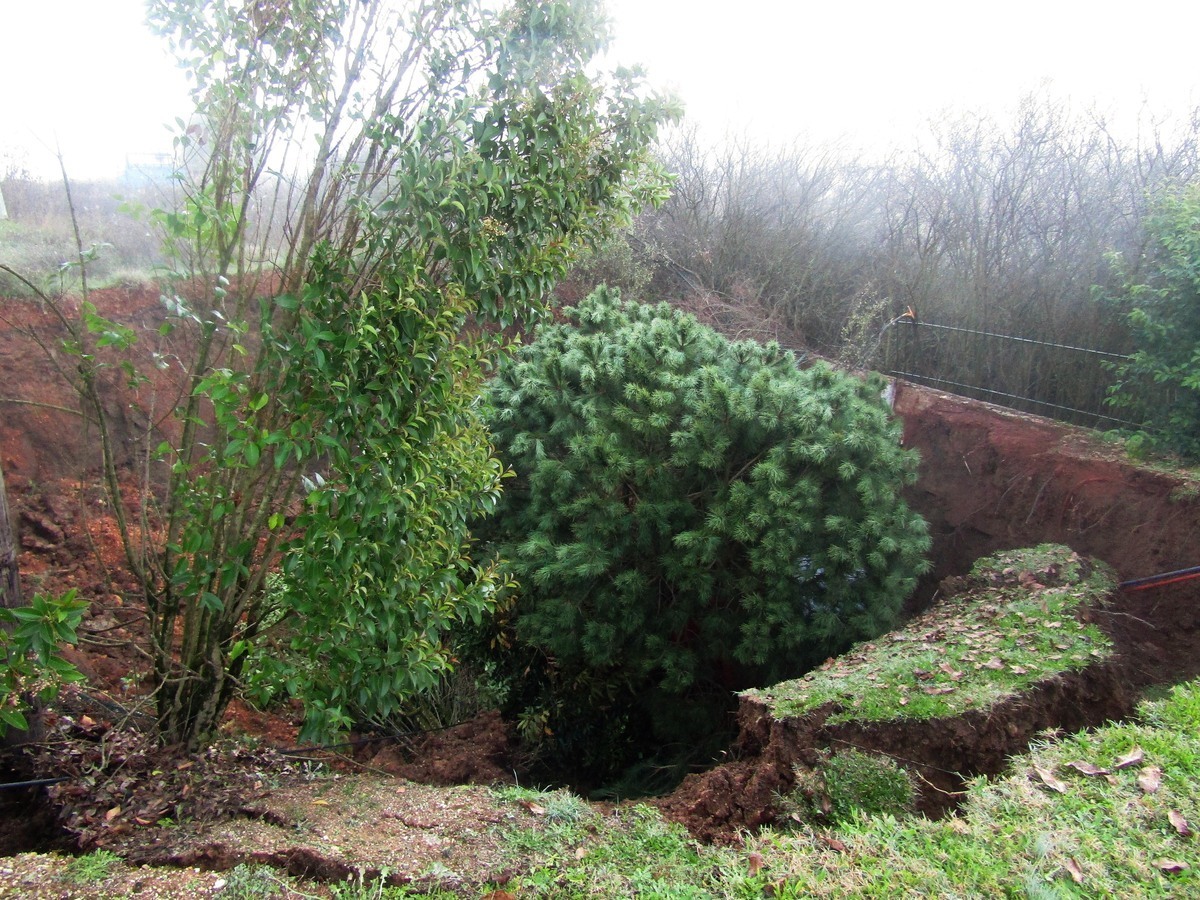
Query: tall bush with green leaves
690, 514
365, 190
1159, 384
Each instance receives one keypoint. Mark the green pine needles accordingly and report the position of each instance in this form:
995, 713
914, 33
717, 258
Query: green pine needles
691, 514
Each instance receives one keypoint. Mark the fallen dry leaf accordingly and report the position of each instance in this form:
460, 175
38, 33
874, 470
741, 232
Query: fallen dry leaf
1132, 758
954, 674
1086, 768
533, 807
112, 814
1179, 823
994, 663
320, 803
1073, 867
498, 895
1049, 780
1170, 865
1150, 779
756, 863
581, 852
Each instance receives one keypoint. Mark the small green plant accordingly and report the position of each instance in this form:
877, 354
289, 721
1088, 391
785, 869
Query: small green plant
94, 867
247, 882
852, 783
1184, 493
33, 666
360, 887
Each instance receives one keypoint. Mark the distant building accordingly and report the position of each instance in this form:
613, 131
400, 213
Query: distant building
145, 169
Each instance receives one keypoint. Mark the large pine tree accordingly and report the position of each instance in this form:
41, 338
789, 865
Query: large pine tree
690, 513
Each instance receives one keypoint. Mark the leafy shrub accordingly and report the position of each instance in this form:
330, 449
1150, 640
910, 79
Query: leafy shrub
689, 516
852, 783
32, 665
1160, 383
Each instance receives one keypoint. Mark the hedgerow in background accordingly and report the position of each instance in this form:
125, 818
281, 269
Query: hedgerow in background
689, 515
363, 189
1159, 384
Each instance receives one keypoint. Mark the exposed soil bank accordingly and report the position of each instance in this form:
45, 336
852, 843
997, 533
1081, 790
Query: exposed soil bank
715, 805
992, 479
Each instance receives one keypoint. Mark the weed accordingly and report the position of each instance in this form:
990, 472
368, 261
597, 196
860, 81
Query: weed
850, 784
359, 887
246, 882
95, 867
1184, 492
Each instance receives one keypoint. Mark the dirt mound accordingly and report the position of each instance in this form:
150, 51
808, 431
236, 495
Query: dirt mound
479, 751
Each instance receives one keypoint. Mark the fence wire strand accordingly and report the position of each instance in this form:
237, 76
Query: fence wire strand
900, 366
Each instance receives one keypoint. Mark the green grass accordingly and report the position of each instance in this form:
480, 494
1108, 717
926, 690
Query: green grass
46, 256
1047, 829
1019, 620
849, 784
629, 852
92, 868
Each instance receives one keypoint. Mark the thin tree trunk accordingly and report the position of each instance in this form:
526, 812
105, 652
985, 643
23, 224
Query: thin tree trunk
10, 580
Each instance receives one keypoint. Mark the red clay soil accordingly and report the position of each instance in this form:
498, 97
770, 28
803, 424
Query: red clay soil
479, 751
992, 479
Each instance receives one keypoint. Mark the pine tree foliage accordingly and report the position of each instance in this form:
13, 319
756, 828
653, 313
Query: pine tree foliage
685, 506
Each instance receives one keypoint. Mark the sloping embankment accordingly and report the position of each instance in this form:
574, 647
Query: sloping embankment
992, 479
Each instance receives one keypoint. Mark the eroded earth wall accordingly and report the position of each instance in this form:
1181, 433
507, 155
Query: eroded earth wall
993, 479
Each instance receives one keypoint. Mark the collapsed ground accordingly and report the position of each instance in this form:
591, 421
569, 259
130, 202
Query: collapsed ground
991, 480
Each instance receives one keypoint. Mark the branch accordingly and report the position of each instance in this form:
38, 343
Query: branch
65, 409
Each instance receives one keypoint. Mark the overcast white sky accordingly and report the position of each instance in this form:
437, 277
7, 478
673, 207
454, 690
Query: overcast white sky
86, 74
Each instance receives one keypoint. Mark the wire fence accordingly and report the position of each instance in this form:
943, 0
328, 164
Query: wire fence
1049, 378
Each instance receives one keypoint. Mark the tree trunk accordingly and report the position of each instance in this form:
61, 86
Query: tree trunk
10, 580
